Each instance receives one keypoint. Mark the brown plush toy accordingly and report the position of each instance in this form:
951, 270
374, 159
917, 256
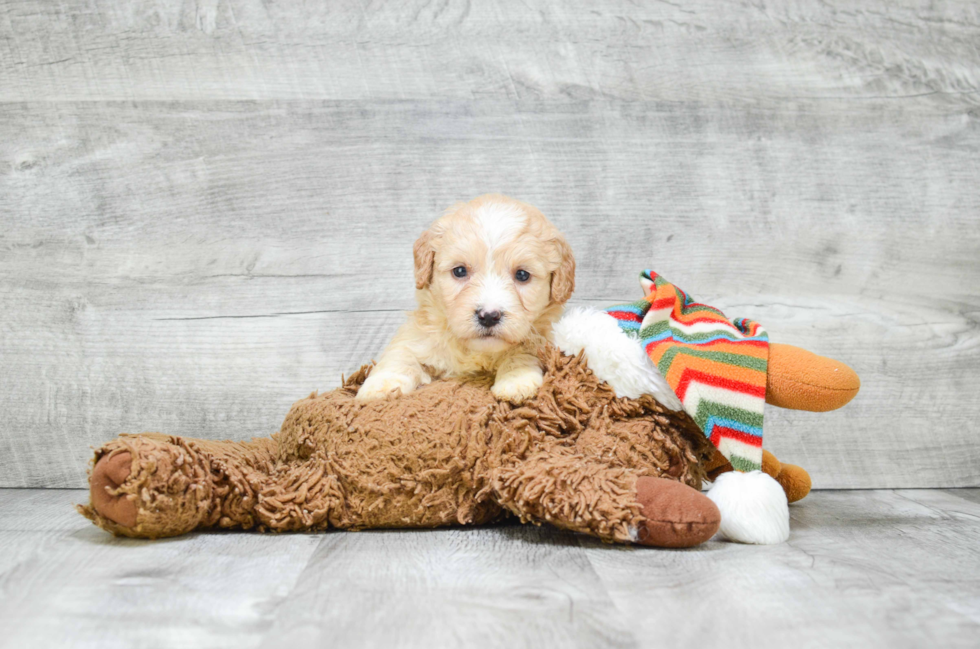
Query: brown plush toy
576, 456
448, 453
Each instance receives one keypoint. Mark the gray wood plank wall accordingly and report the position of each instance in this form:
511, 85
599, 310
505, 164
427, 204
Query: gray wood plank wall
207, 209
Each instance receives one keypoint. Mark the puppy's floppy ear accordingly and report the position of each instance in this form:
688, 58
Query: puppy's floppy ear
425, 256
563, 279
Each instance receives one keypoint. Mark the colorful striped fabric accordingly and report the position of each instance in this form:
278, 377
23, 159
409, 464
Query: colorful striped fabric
716, 366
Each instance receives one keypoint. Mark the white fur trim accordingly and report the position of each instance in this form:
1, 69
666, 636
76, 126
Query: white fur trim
753, 508
612, 355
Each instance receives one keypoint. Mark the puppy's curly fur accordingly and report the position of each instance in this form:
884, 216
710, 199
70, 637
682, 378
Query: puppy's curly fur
491, 278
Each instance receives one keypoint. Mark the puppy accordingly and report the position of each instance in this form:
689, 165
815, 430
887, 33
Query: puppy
491, 278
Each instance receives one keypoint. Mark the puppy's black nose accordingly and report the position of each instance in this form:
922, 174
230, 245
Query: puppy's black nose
488, 318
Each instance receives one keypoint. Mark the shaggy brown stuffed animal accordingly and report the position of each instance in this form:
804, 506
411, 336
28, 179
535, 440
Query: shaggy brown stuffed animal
576, 456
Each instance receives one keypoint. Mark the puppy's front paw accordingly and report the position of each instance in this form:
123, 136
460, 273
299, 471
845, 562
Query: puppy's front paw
380, 384
518, 387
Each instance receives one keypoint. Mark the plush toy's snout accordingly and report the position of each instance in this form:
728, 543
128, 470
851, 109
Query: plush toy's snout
801, 380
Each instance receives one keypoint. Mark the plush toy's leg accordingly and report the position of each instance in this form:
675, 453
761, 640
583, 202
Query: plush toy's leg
796, 379
613, 503
717, 465
801, 380
155, 485
794, 480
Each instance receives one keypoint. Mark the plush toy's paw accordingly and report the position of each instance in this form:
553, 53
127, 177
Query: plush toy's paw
677, 516
753, 507
519, 386
795, 481
151, 486
107, 475
381, 384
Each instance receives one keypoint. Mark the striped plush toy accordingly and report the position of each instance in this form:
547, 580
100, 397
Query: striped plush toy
722, 373
715, 366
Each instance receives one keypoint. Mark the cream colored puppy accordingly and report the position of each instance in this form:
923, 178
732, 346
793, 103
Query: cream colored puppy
492, 276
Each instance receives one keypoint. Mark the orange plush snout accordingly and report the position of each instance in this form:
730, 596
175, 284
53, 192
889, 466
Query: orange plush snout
801, 380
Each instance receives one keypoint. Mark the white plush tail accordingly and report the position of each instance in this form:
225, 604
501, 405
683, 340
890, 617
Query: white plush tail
612, 355
753, 508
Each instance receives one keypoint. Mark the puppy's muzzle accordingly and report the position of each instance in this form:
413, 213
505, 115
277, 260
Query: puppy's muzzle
488, 319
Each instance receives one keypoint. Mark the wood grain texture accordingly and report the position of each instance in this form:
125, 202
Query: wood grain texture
869, 569
195, 271
516, 49
461, 588
861, 569
206, 211
63, 583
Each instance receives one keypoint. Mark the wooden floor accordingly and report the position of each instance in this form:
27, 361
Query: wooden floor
862, 568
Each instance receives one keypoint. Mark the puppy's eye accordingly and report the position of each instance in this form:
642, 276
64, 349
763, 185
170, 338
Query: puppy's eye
459, 271
522, 275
